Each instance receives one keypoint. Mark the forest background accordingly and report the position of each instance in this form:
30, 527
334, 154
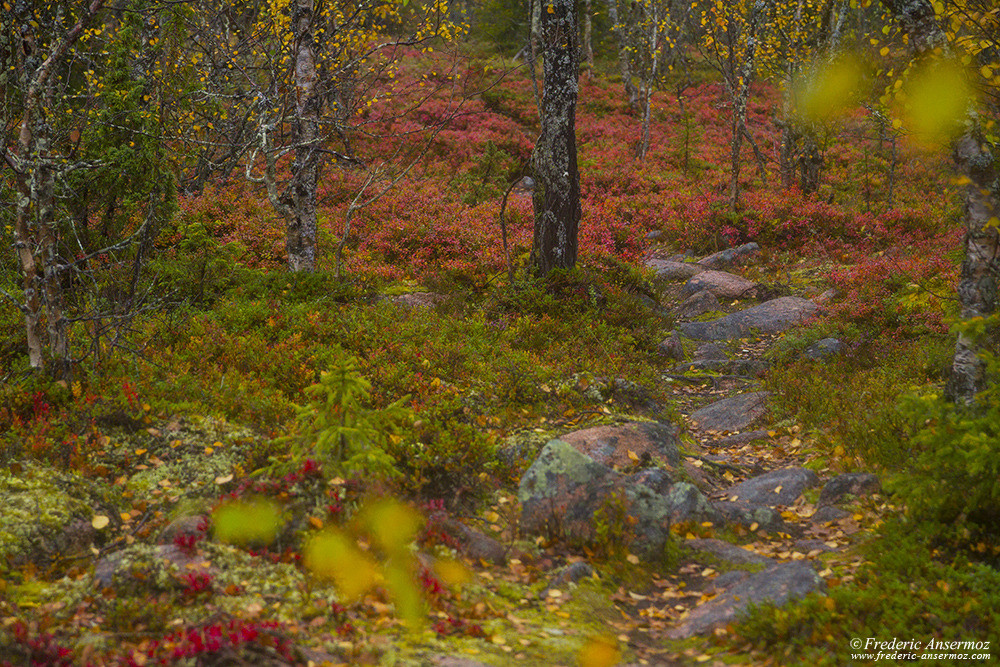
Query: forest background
216, 209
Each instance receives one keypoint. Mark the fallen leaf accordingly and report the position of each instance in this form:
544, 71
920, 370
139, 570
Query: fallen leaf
99, 522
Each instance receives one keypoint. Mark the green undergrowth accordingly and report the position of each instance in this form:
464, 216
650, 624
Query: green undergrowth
468, 370
850, 400
905, 591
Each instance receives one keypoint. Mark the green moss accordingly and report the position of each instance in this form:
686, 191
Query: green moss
37, 503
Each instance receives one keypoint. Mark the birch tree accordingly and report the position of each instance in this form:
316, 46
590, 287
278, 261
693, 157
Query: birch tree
975, 159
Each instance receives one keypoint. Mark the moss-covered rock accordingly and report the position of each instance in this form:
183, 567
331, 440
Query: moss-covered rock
45, 512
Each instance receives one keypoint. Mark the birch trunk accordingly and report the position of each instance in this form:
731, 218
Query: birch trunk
974, 159
300, 196
36, 234
740, 90
557, 179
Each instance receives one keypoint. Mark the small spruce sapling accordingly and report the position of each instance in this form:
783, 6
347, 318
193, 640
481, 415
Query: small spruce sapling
338, 426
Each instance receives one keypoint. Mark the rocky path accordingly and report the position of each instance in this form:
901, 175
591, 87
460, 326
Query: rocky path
756, 521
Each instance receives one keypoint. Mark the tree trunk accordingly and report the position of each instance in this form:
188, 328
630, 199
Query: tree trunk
300, 196
974, 159
35, 233
624, 68
740, 90
557, 179
588, 46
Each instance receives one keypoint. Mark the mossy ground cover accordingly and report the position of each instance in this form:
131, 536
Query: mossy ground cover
199, 402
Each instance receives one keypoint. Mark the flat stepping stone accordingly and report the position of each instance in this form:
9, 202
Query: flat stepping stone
669, 270
747, 367
826, 347
699, 303
854, 483
739, 439
768, 318
778, 585
731, 414
728, 552
721, 284
614, 446
778, 487
731, 256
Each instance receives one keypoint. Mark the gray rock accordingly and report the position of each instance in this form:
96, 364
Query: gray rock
854, 483
829, 513
687, 503
777, 585
699, 303
738, 439
563, 491
611, 445
710, 351
729, 579
669, 270
731, 414
671, 347
730, 256
768, 318
778, 487
472, 543
655, 235
727, 552
721, 284
754, 517
824, 348
657, 479
827, 296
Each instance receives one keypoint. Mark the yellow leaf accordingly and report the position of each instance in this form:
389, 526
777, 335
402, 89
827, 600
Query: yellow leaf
599, 652
393, 524
754, 526
633, 456
99, 522
451, 572
551, 9
830, 603
315, 522
632, 558
884, 51
331, 555
247, 522
938, 97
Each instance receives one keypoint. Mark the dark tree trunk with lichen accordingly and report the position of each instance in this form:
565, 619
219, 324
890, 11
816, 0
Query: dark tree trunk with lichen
975, 160
557, 178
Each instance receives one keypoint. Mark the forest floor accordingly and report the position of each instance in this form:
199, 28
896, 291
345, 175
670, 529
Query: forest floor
198, 495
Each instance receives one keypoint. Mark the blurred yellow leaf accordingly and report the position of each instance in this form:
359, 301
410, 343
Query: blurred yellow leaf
332, 555
599, 652
247, 521
99, 522
938, 98
392, 524
831, 88
452, 572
